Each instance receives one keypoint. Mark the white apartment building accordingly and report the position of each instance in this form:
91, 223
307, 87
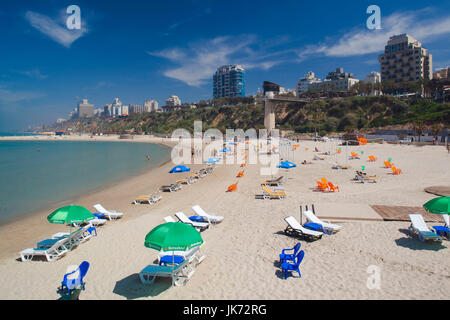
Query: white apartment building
336, 81
304, 84
405, 59
373, 78
151, 105
173, 101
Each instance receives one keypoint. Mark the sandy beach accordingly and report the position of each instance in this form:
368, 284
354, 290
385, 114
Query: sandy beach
242, 251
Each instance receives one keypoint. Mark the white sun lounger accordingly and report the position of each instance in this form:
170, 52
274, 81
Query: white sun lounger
211, 218
198, 225
190, 255
294, 228
447, 220
420, 229
76, 237
57, 250
311, 217
111, 214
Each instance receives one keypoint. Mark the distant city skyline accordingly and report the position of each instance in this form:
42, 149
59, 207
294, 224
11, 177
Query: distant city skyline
139, 50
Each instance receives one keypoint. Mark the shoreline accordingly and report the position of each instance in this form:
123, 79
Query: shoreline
32, 217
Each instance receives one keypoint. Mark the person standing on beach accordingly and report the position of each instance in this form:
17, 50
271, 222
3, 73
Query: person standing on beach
148, 157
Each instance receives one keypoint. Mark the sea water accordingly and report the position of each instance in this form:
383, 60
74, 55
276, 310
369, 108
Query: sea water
34, 175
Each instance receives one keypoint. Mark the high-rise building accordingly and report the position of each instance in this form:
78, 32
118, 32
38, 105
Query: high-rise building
173, 101
404, 59
85, 110
304, 84
228, 81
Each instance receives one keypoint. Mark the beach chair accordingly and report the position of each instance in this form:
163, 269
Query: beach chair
232, 188
362, 177
332, 187
57, 250
240, 174
284, 255
210, 217
396, 171
321, 186
372, 158
419, 229
110, 214
94, 222
198, 225
316, 157
74, 280
295, 266
295, 229
444, 231
273, 182
192, 255
329, 227
354, 155
388, 164
180, 273
243, 165
273, 194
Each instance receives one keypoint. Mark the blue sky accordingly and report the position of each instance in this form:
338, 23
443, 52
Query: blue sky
141, 50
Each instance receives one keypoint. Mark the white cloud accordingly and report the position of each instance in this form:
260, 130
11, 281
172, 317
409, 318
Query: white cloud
53, 30
364, 41
34, 73
198, 62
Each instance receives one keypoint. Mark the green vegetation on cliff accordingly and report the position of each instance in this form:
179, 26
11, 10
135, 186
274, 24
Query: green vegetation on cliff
330, 115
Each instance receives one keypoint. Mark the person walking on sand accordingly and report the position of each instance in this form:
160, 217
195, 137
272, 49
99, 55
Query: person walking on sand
148, 157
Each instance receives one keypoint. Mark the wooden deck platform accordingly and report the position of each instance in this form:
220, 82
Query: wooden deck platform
400, 213
443, 191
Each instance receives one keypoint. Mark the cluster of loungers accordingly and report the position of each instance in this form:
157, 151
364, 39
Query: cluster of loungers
419, 229
278, 191
180, 265
61, 243
173, 187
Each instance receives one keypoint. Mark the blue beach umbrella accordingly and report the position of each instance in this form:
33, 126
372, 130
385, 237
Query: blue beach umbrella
179, 169
226, 149
286, 165
212, 160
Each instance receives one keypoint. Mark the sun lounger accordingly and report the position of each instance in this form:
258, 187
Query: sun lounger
316, 157
180, 273
332, 187
76, 237
273, 182
240, 174
419, 229
295, 229
171, 188
273, 194
361, 177
311, 217
149, 199
396, 171
57, 250
198, 225
110, 214
192, 255
95, 222
210, 217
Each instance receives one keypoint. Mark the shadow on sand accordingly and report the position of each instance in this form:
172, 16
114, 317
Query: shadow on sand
132, 288
415, 244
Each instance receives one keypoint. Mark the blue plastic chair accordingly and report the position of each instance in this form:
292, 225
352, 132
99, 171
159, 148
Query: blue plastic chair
77, 282
92, 230
286, 266
290, 256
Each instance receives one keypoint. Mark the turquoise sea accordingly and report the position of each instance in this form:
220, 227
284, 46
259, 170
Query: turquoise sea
35, 175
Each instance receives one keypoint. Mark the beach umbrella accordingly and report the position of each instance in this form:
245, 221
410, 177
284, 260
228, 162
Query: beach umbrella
226, 149
440, 205
70, 214
173, 236
286, 165
179, 169
212, 160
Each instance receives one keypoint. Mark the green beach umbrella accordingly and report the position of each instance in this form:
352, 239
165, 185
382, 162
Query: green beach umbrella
173, 236
363, 168
439, 205
70, 214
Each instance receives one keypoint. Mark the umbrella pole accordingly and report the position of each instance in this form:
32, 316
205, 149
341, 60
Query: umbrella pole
301, 215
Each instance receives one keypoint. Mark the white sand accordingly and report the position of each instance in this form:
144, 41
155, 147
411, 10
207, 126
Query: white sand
242, 251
